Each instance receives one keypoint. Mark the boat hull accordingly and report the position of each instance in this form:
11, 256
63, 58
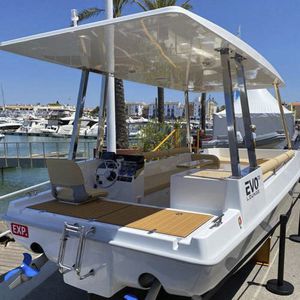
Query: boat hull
117, 267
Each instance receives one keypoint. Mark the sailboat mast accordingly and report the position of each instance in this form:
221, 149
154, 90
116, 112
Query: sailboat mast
3, 98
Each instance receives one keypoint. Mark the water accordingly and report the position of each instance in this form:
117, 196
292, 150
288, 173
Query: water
14, 179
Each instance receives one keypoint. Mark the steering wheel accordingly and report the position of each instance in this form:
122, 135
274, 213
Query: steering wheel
107, 173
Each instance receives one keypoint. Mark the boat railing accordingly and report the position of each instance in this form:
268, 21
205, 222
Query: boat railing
29, 192
175, 139
16, 154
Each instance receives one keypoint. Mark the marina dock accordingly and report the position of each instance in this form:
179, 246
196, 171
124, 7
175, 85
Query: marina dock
247, 284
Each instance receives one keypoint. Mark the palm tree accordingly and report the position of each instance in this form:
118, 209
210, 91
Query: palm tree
120, 107
150, 5
154, 4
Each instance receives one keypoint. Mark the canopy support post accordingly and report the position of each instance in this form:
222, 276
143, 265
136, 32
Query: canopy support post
78, 114
187, 117
286, 132
101, 115
230, 117
111, 114
110, 95
249, 140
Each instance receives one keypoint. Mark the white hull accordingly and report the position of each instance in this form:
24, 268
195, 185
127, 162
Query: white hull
189, 266
116, 267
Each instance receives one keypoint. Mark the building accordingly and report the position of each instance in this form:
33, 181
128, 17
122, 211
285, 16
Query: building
172, 110
196, 111
134, 109
210, 108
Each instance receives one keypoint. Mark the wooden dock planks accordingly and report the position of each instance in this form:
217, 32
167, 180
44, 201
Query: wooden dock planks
11, 256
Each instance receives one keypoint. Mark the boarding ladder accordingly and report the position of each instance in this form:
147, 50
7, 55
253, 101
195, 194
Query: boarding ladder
82, 234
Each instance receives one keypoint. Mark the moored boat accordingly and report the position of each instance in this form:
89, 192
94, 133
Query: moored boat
180, 219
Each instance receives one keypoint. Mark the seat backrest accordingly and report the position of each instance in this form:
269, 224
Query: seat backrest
66, 180
64, 172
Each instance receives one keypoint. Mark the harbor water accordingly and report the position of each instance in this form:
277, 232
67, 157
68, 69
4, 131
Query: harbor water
14, 179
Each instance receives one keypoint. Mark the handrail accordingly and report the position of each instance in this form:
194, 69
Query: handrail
22, 191
164, 140
41, 149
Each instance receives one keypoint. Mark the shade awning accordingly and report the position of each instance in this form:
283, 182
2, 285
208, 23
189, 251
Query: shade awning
169, 47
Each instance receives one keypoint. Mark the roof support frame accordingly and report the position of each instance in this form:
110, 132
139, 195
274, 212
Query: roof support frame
230, 116
78, 113
285, 128
242, 87
110, 100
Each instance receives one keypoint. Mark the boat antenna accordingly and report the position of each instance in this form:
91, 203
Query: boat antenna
239, 32
3, 98
74, 17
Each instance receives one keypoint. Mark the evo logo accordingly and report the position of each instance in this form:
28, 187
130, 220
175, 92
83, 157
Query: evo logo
252, 187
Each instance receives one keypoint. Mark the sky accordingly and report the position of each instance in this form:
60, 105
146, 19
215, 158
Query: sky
269, 26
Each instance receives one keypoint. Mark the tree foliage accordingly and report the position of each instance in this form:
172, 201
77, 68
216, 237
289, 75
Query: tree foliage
154, 4
89, 13
152, 134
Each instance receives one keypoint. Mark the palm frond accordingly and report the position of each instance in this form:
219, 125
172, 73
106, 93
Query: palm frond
187, 5
118, 6
154, 4
141, 5
89, 13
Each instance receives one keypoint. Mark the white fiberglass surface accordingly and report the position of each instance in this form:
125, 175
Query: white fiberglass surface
169, 47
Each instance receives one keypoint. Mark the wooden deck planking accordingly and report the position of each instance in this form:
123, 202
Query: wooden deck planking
151, 219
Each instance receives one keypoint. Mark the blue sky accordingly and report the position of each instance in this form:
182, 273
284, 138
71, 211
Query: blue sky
270, 26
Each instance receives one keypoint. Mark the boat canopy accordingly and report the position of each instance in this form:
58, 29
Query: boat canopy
168, 47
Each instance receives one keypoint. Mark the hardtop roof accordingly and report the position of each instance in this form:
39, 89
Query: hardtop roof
169, 47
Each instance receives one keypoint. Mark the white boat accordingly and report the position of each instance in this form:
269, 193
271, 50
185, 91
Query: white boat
49, 129
65, 127
2, 136
182, 220
9, 125
32, 126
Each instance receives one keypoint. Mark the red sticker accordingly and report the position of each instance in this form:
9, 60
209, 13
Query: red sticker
20, 230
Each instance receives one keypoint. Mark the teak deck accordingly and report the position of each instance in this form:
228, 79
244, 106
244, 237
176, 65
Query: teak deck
165, 221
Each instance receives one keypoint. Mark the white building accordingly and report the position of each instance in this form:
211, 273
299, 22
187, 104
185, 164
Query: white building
134, 109
196, 108
152, 111
210, 108
172, 110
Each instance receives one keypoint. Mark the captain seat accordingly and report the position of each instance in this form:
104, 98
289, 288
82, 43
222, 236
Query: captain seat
67, 182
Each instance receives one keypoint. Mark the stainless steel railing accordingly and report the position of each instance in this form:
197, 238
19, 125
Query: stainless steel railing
31, 151
32, 190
